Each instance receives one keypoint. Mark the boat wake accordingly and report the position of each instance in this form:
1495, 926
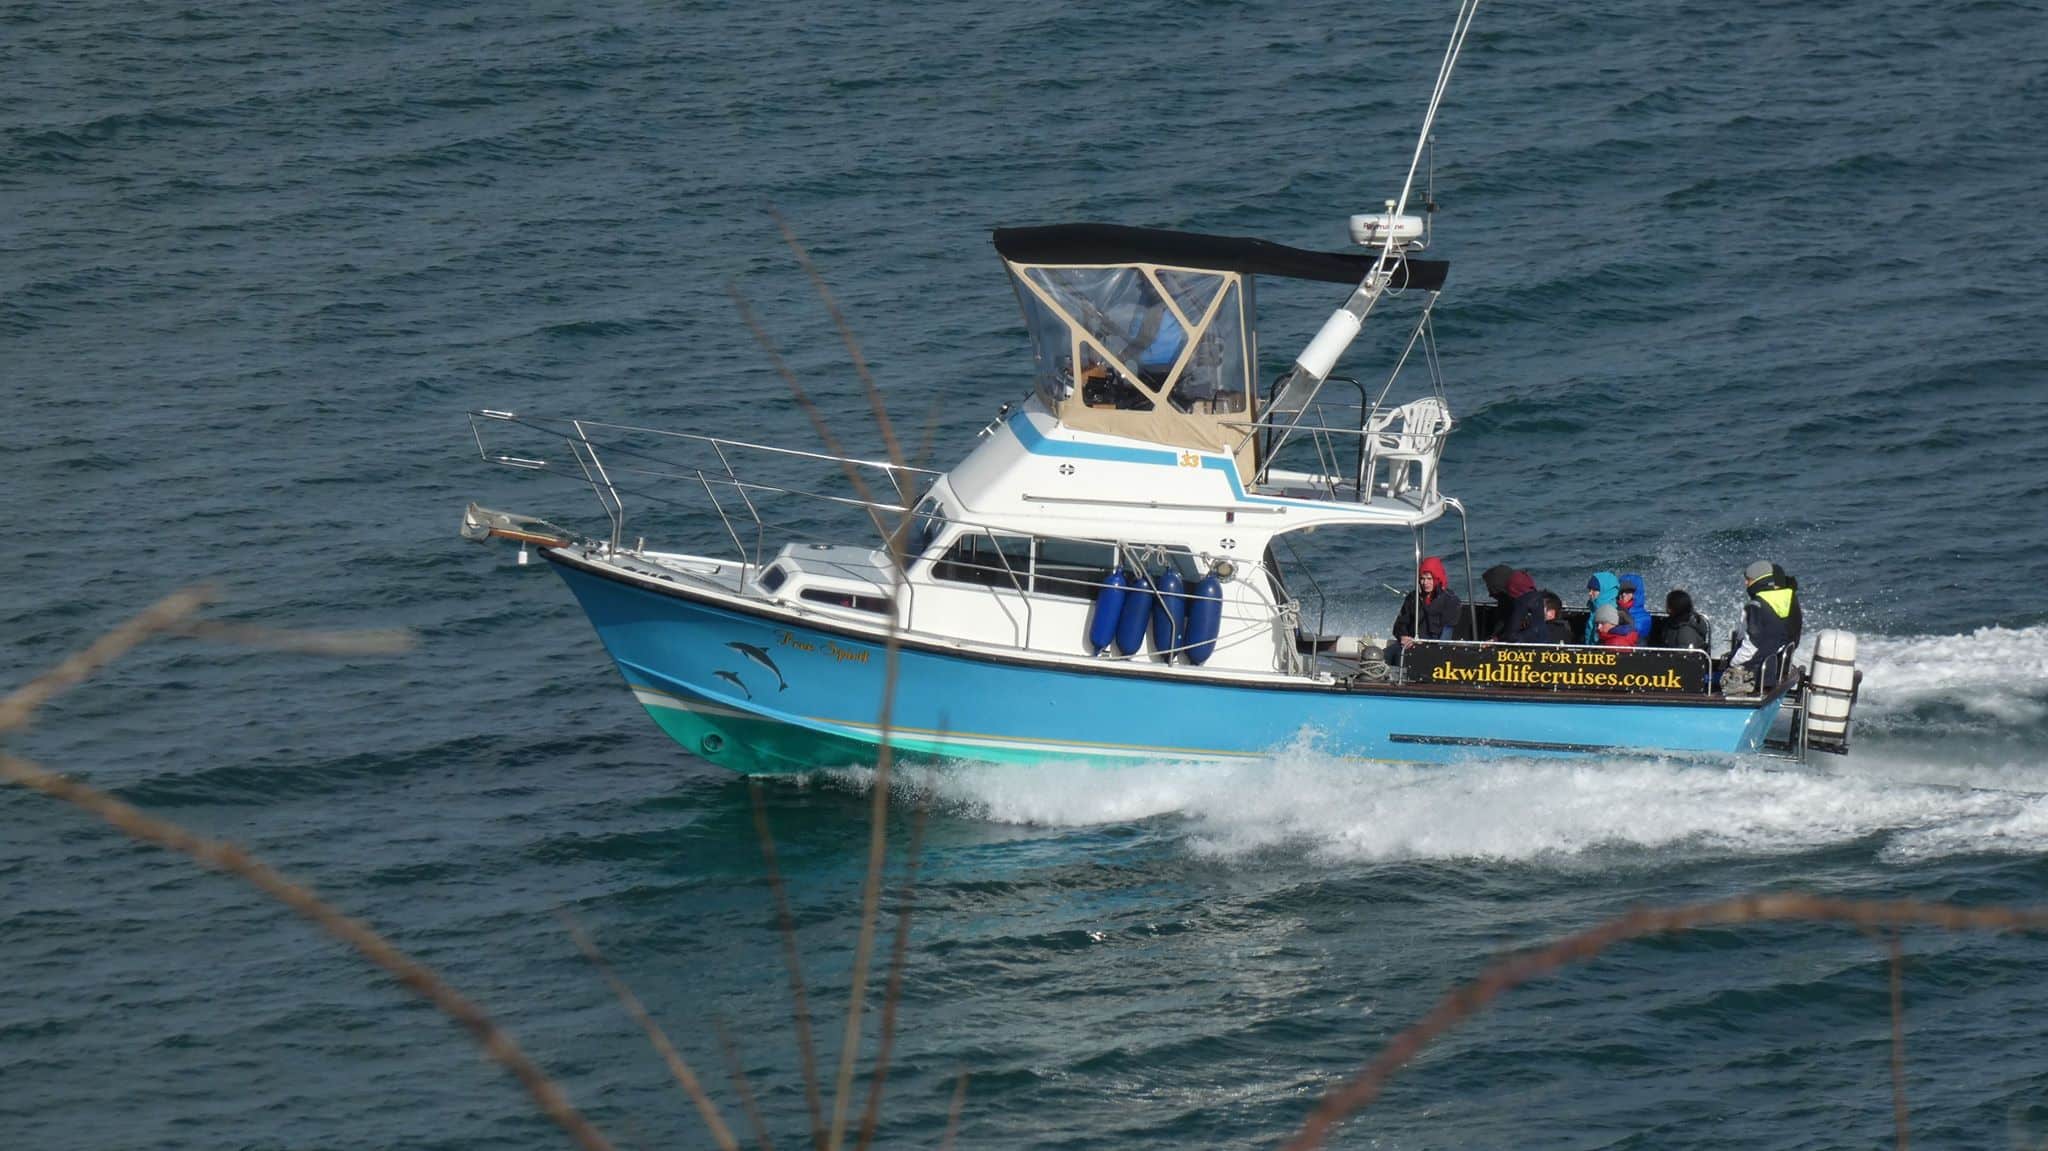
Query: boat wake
1950, 760
1990, 679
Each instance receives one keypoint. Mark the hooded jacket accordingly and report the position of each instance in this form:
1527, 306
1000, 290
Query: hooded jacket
1771, 625
1639, 611
1613, 627
1689, 631
1439, 612
1607, 591
1518, 606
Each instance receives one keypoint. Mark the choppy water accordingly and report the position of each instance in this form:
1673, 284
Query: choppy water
1729, 281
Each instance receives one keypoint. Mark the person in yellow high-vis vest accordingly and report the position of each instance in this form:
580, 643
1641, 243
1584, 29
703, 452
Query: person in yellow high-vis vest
1771, 623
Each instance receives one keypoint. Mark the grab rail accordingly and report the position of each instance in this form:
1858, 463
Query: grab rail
582, 440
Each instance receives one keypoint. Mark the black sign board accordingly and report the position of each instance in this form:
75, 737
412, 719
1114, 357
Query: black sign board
1544, 667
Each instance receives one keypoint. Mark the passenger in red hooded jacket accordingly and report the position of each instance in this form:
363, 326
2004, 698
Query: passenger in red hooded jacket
1435, 617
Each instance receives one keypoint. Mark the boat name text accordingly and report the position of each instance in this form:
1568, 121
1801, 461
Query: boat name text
842, 654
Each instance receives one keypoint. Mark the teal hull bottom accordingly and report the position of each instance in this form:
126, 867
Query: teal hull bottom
758, 746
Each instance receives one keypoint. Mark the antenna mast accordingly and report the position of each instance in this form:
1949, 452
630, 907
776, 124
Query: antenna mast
1393, 233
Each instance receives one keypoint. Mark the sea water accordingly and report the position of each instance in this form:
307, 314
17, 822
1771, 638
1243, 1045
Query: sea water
1728, 282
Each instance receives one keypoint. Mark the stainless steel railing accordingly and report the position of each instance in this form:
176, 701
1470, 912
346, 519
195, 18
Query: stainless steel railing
608, 457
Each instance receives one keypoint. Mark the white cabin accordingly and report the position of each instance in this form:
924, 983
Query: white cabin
1143, 445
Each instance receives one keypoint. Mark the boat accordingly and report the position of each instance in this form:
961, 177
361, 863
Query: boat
1099, 578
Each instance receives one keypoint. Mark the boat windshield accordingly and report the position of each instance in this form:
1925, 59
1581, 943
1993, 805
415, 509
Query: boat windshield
1148, 351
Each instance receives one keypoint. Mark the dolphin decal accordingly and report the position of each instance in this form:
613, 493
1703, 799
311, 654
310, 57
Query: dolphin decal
735, 681
761, 657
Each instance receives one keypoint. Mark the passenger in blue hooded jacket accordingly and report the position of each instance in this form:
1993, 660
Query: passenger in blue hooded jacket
1635, 603
1606, 623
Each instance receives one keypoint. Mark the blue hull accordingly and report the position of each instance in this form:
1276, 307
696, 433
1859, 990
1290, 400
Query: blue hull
761, 693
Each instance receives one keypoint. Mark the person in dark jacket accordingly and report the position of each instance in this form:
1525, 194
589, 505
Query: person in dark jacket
1771, 623
1555, 629
1434, 617
1518, 606
1635, 603
1683, 626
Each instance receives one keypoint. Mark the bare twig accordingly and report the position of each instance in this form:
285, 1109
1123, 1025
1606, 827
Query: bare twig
878, 848
677, 1065
898, 958
803, 399
376, 641
228, 857
1468, 1000
860, 363
1898, 964
870, 896
878, 827
799, 1002
738, 1074
20, 705
953, 1113
930, 435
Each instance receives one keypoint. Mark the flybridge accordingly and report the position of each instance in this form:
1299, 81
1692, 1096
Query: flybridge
1152, 335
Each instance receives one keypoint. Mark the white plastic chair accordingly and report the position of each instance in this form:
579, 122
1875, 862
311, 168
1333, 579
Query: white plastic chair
1410, 440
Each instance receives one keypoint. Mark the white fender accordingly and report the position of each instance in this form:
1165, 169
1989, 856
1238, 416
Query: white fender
1831, 687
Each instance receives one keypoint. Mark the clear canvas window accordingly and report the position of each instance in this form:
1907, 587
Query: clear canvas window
1120, 310
1052, 349
1214, 379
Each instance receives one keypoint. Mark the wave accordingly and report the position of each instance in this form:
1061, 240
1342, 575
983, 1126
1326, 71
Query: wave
1522, 811
1994, 673
1909, 798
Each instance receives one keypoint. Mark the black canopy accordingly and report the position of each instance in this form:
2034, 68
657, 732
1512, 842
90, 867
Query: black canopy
1117, 244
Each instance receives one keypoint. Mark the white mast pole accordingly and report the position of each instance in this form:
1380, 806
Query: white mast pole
1319, 358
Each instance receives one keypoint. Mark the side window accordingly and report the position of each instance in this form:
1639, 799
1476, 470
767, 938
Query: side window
1153, 558
873, 603
1073, 568
982, 558
1102, 386
925, 526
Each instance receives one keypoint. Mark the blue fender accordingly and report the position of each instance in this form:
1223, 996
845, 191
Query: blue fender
1109, 610
1135, 614
1205, 618
1169, 613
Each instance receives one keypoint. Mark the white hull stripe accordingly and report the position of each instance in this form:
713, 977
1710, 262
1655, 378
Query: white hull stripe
872, 733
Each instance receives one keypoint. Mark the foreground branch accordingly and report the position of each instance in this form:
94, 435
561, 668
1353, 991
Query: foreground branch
416, 976
169, 612
1468, 1000
678, 1067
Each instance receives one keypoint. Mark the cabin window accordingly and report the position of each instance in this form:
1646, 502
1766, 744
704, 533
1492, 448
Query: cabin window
1153, 558
873, 603
1121, 310
1214, 381
1072, 568
1102, 386
925, 525
1192, 292
1052, 348
986, 558
773, 580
